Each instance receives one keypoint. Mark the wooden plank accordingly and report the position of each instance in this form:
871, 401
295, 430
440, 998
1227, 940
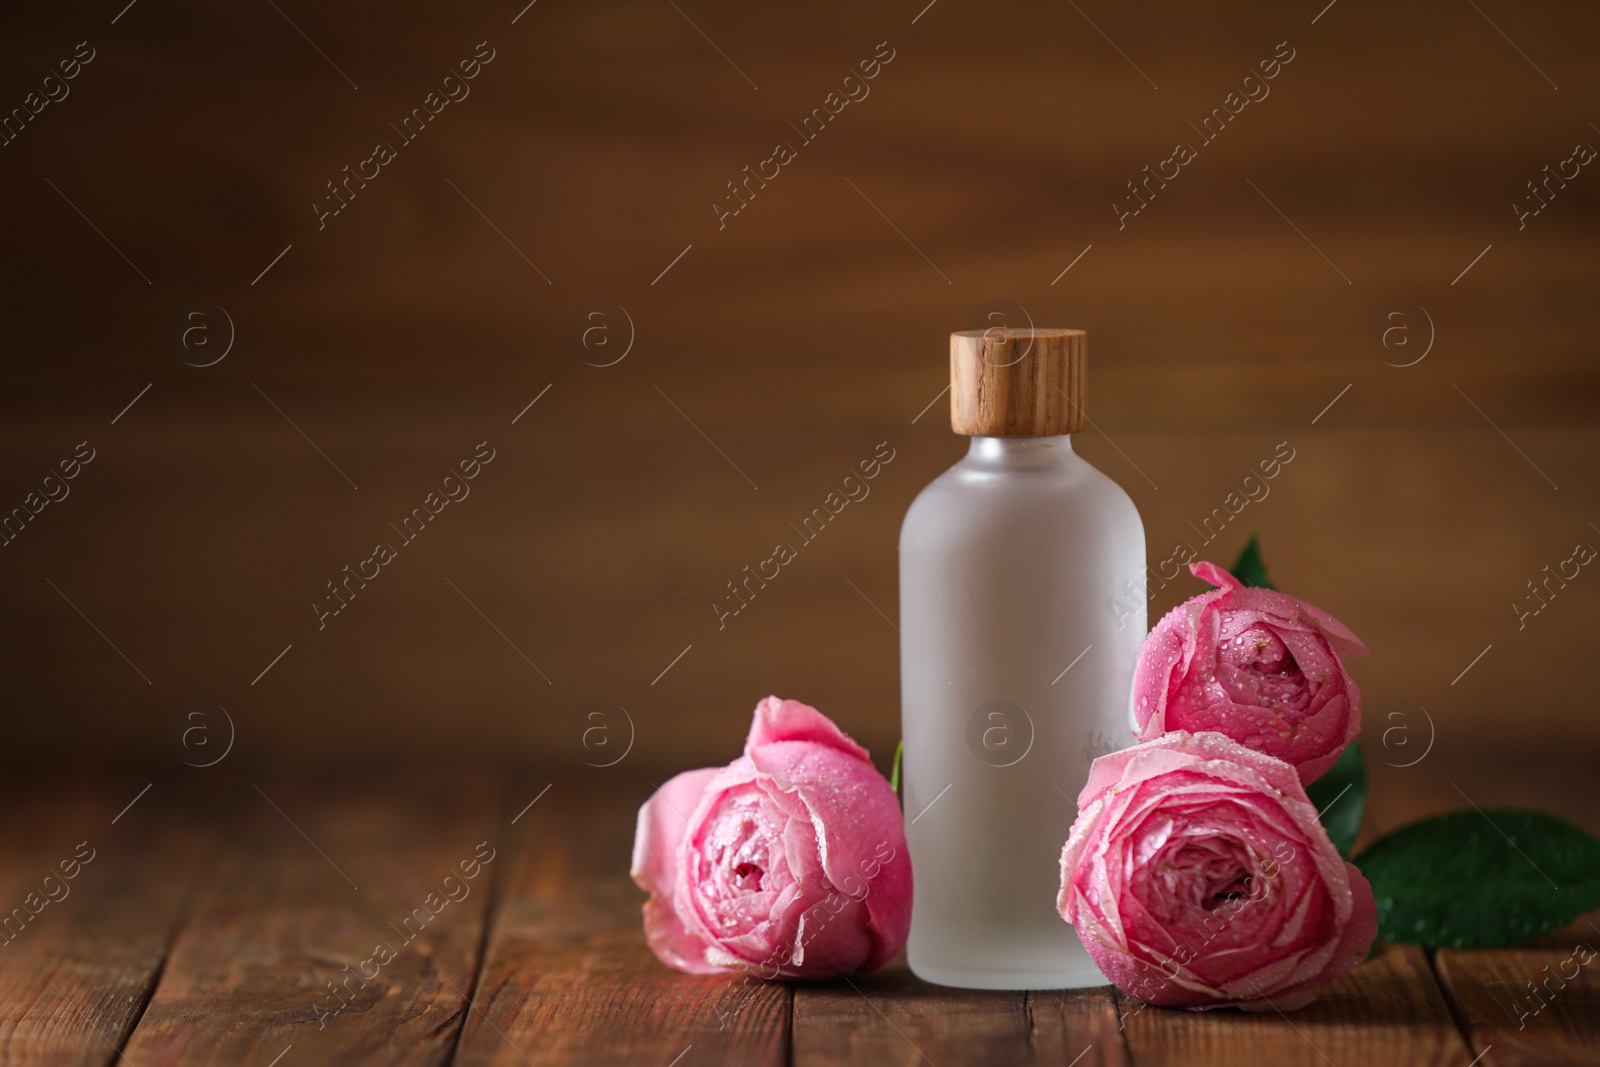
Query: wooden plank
1487, 988
893, 1017
1388, 1010
1076, 1026
324, 877
1529, 1005
88, 908
567, 978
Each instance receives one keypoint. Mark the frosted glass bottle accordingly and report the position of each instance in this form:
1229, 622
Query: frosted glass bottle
1021, 611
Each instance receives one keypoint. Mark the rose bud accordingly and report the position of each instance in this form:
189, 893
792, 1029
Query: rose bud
1255, 664
1198, 876
789, 862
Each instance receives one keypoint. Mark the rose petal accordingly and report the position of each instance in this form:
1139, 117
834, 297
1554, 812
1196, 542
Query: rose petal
860, 833
1198, 875
658, 834
790, 720
1281, 605
1207, 571
790, 861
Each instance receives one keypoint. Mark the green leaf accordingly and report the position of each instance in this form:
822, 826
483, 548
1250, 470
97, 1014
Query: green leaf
894, 775
1341, 797
1249, 567
1481, 879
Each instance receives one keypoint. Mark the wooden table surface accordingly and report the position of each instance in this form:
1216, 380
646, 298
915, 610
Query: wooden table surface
210, 919
1250, 305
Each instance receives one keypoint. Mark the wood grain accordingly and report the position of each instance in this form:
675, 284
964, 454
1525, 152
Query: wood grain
75, 978
1077, 1026
893, 1017
250, 974
1529, 1005
796, 337
1387, 1011
567, 978
1018, 381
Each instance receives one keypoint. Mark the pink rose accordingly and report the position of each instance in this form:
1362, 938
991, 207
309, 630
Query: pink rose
790, 861
1255, 664
1198, 876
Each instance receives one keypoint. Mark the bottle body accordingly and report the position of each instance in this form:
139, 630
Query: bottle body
1022, 613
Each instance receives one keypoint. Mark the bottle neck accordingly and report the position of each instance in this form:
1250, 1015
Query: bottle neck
1020, 453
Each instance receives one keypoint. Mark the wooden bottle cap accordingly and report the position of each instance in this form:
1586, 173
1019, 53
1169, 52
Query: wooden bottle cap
1007, 382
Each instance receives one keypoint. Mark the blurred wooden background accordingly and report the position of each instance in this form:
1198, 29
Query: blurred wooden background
774, 354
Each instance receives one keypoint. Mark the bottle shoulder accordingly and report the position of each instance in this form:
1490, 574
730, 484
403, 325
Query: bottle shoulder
963, 516
972, 489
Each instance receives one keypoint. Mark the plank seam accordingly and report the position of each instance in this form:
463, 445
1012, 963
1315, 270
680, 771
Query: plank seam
1457, 1013
788, 1025
489, 910
148, 996
1027, 1018
1122, 1032
210, 848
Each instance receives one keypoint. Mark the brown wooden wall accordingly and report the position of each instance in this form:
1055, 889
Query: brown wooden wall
778, 350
